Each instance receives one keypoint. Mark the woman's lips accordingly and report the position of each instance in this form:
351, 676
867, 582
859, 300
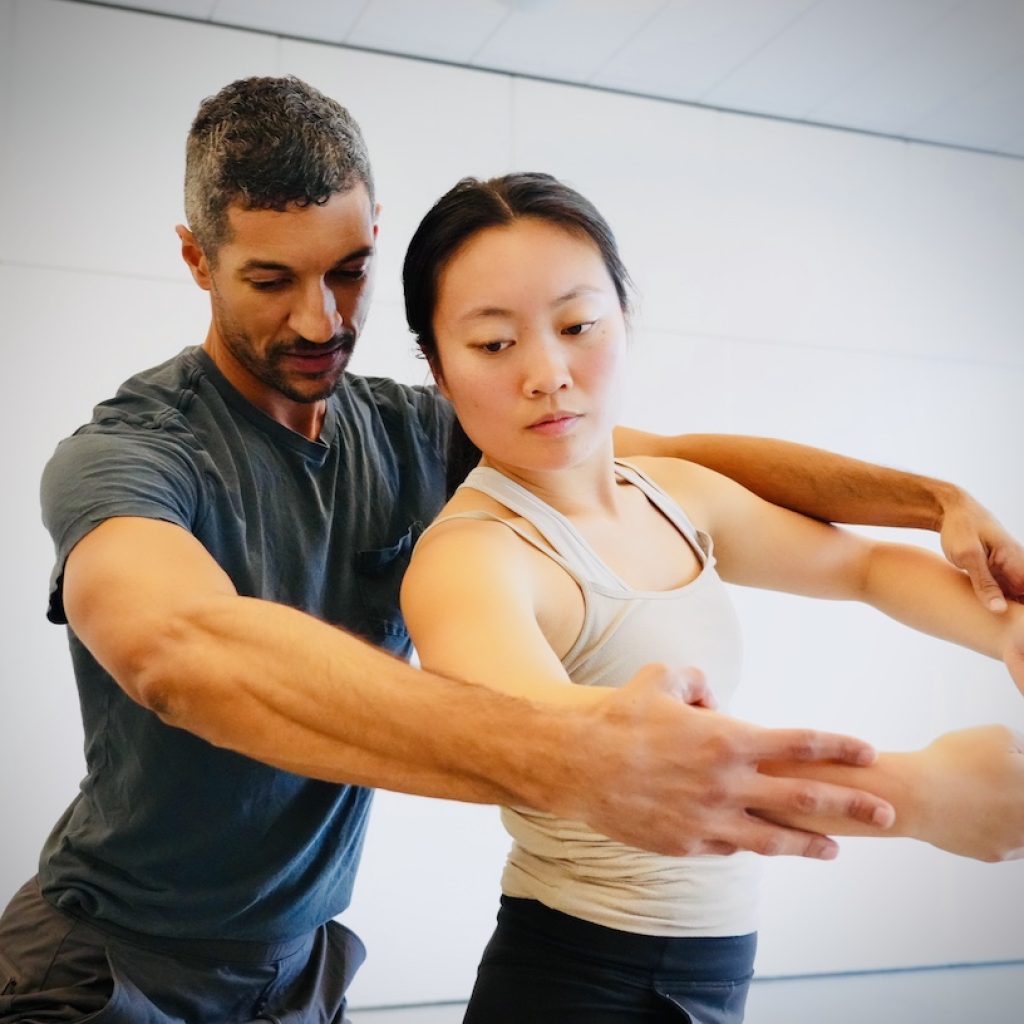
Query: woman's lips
555, 425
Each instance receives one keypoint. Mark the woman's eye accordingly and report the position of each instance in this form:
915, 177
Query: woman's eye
576, 329
495, 346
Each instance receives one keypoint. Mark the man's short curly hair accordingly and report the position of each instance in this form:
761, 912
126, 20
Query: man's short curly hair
267, 143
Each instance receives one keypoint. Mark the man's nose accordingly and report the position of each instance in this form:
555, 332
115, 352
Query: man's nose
316, 317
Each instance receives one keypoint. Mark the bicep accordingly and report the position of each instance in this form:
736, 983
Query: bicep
468, 602
127, 580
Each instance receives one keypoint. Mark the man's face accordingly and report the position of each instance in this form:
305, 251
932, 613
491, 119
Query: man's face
290, 294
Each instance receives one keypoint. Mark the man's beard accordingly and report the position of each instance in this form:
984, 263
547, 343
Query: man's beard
267, 368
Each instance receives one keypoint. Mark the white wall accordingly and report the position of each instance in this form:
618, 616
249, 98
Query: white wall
850, 292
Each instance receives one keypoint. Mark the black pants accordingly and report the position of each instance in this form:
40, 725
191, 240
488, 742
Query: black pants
54, 967
546, 967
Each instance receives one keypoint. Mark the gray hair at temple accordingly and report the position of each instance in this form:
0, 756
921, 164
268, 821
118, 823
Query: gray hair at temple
267, 143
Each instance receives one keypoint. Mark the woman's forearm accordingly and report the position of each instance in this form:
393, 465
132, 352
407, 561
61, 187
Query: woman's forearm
921, 590
964, 793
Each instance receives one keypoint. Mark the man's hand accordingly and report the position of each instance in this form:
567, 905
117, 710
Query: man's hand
974, 541
977, 778
1013, 651
683, 780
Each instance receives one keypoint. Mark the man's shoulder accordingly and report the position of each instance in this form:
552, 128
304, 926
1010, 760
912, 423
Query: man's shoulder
151, 399
397, 403
388, 391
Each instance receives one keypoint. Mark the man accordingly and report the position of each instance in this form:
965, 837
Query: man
221, 518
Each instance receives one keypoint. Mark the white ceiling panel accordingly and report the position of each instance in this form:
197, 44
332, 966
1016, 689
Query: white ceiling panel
565, 39
452, 30
327, 20
820, 53
958, 54
693, 44
942, 71
990, 115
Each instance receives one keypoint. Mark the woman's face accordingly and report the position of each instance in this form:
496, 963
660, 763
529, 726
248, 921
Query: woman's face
531, 337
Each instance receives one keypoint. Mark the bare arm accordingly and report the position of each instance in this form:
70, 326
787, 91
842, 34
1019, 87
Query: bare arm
277, 685
700, 767
759, 544
835, 488
963, 793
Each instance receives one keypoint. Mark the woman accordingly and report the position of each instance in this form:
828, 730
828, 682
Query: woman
556, 564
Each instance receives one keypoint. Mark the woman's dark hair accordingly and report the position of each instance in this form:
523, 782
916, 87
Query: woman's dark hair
467, 209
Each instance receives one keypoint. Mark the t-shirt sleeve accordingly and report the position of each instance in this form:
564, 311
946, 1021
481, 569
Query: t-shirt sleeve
95, 476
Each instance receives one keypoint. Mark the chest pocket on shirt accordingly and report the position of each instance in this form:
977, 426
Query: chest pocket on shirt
379, 572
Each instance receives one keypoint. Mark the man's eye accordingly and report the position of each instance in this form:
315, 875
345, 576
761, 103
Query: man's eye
582, 328
268, 286
349, 273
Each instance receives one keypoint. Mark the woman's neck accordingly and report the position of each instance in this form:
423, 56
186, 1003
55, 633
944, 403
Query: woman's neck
587, 490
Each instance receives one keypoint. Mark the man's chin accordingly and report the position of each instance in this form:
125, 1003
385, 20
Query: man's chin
310, 389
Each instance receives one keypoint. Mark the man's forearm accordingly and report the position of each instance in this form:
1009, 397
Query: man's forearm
276, 685
809, 480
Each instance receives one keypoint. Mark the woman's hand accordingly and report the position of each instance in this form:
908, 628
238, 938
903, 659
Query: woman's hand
974, 785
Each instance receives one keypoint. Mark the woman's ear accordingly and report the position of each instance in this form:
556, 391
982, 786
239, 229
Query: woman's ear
438, 376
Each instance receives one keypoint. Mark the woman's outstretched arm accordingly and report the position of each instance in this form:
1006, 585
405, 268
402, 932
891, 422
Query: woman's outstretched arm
836, 488
759, 544
963, 793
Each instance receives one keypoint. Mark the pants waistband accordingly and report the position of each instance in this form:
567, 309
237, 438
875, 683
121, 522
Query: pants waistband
725, 958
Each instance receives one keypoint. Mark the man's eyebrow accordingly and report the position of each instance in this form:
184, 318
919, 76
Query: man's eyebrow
262, 265
480, 312
256, 264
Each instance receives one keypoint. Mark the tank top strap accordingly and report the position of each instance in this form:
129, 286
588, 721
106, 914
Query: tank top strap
700, 541
573, 552
482, 515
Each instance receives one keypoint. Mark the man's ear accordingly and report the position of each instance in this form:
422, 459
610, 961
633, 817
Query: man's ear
194, 257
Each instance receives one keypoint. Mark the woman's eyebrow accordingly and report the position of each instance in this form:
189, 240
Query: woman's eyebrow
479, 312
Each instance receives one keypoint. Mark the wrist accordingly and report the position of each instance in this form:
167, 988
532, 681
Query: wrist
910, 793
946, 500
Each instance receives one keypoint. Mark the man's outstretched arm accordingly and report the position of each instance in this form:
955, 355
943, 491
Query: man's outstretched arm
839, 489
279, 686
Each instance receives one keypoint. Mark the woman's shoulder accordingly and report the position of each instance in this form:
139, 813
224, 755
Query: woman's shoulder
672, 474
695, 488
471, 519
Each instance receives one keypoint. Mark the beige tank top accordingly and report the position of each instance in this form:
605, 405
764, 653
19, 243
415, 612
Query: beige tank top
564, 864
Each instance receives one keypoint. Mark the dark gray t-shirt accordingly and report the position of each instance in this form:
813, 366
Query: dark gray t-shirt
169, 834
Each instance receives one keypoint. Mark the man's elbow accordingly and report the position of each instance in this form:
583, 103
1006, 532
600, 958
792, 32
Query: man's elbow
159, 671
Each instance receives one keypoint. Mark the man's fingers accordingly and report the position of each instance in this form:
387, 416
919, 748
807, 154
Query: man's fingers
975, 563
769, 840
775, 795
809, 745
694, 688
687, 685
